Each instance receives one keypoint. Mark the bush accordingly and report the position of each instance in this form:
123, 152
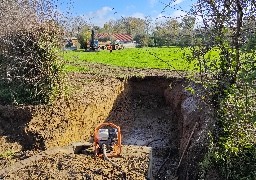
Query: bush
29, 68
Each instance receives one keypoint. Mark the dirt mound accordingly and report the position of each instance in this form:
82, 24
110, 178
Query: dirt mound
12, 123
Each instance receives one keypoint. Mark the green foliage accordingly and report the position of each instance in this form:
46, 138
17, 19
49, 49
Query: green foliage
228, 77
251, 43
30, 36
82, 41
142, 39
235, 153
83, 37
190, 89
30, 69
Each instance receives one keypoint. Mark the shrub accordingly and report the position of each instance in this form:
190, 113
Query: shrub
29, 70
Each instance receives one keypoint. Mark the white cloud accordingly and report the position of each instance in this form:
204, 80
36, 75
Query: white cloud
177, 2
178, 14
160, 16
199, 21
103, 11
138, 15
99, 17
172, 4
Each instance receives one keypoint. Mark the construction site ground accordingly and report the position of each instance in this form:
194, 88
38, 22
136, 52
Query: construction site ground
62, 163
35, 141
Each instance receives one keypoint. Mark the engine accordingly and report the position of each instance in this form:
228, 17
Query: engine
108, 137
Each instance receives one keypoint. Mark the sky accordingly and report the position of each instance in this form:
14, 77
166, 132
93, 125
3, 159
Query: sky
98, 12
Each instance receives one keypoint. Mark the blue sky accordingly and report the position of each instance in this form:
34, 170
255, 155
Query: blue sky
97, 12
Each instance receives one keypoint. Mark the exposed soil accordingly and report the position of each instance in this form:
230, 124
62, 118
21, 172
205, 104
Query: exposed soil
32, 137
146, 120
62, 163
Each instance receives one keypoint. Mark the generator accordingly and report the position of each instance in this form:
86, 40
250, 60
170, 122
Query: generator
107, 140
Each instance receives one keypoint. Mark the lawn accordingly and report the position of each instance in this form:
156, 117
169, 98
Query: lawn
171, 58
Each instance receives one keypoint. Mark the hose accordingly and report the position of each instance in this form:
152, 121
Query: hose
104, 147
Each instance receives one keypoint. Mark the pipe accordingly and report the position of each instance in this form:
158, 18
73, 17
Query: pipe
104, 147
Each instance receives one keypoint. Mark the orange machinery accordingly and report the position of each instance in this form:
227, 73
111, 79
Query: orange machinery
107, 140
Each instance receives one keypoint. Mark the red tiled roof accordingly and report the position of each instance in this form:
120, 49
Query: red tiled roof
121, 37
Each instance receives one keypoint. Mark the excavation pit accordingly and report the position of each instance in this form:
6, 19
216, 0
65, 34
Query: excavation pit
147, 120
155, 113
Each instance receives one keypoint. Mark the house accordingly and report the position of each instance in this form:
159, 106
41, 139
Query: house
125, 38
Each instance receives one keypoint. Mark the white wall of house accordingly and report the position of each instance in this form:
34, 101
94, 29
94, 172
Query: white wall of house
129, 45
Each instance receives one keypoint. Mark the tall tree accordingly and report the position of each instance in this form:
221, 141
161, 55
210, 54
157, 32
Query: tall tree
167, 33
187, 30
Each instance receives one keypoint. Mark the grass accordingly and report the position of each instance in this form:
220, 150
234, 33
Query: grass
171, 58
7, 154
73, 68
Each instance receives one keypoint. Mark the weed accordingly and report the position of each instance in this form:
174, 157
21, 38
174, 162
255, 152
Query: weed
7, 154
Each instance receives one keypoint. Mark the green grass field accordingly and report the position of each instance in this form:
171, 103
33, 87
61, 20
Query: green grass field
161, 58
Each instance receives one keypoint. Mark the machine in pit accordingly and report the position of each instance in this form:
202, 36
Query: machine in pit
106, 142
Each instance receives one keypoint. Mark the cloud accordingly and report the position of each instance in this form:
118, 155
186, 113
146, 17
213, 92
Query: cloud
138, 15
105, 14
99, 17
103, 11
199, 21
178, 14
177, 2
174, 3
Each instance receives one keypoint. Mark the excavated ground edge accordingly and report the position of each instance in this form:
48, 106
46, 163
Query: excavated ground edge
70, 149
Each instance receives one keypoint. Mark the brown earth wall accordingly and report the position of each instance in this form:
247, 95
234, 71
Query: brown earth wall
67, 120
196, 120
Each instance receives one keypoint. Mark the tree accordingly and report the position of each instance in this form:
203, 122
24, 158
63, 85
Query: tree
249, 33
127, 25
142, 39
187, 30
84, 36
228, 77
167, 33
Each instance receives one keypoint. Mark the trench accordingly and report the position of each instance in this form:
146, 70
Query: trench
147, 120
153, 112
